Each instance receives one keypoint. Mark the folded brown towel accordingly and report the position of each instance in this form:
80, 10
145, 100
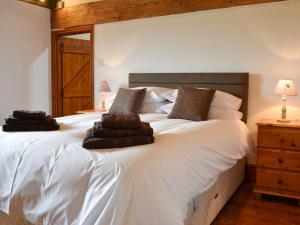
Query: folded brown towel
14, 121
31, 115
121, 142
23, 128
100, 132
121, 121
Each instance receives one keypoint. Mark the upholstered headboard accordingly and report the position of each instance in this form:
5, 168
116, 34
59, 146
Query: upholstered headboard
233, 83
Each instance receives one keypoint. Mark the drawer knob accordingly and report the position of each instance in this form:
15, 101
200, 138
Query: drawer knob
280, 182
282, 140
294, 144
280, 161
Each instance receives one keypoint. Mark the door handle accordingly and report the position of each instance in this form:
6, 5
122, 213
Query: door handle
280, 161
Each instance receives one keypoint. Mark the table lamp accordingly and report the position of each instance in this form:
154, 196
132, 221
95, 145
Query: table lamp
285, 88
103, 88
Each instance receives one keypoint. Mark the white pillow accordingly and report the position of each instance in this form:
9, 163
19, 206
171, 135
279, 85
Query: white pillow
154, 107
170, 95
221, 99
226, 101
224, 114
167, 108
214, 113
154, 94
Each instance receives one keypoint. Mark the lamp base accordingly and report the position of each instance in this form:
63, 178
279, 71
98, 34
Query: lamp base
284, 121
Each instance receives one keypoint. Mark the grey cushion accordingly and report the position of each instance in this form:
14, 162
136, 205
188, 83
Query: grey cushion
192, 104
128, 101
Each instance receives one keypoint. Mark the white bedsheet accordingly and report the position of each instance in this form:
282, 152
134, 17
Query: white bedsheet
48, 178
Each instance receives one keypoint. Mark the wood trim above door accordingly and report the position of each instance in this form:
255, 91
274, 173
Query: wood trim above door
56, 83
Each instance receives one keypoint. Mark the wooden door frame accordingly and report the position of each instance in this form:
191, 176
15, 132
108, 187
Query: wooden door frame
56, 76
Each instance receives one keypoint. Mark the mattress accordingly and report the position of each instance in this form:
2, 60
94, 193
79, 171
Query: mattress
149, 185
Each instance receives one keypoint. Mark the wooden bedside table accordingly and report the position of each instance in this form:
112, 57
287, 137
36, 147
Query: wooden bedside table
278, 159
91, 111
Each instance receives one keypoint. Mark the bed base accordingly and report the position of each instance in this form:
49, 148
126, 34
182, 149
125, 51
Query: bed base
205, 207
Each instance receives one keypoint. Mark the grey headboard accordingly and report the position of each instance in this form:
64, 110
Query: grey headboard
233, 83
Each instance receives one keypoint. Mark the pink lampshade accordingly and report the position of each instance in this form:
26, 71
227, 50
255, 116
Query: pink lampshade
286, 87
103, 87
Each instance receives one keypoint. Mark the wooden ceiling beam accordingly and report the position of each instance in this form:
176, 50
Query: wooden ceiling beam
108, 11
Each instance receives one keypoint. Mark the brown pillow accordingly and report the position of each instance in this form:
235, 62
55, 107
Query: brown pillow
128, 101
192, 104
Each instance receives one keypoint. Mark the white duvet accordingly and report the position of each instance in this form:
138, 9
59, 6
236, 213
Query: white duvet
48, 178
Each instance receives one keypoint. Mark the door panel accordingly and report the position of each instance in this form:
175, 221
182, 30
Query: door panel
77, 80
71, 104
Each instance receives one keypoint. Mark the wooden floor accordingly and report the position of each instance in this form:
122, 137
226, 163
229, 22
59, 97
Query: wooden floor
244, 209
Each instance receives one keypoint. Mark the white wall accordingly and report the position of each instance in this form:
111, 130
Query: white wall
261, 39
24, 57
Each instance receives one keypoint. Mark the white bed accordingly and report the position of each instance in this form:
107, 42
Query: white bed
48, 178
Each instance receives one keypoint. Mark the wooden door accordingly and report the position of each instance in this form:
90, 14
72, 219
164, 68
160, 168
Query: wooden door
77, 77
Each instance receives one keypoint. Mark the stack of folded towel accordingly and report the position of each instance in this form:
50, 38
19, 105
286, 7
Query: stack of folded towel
117, 131
22, 120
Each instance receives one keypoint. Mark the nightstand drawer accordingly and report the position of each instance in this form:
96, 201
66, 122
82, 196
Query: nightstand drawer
279, 138
269, 158
272, 179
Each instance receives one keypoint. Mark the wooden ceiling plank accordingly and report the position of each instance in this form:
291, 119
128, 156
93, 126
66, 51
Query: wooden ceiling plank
108, 11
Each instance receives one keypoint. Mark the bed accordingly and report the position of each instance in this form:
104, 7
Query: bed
184, 178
